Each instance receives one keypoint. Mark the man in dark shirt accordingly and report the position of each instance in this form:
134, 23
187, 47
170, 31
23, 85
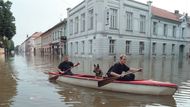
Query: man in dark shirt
117, 70
66, 66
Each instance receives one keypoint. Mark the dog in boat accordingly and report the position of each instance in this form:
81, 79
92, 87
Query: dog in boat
98, 72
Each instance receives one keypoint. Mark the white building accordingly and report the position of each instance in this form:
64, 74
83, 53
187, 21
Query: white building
170, 33
105, 28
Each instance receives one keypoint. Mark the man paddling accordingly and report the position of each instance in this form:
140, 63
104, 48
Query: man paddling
66, 66
117, 70
64, 69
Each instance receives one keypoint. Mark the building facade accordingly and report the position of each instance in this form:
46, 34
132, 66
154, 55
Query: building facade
22, 48
54, 40
170, 33
28, 46
107, 28
37, 43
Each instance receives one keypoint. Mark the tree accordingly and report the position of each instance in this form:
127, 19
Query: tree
7, 25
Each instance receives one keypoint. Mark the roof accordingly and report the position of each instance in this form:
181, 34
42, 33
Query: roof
165, 14
57, 25
36, 34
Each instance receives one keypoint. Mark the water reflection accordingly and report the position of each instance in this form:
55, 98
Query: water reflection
85, 97
7, 82
20, 74
182, 96
180, 63
161, 69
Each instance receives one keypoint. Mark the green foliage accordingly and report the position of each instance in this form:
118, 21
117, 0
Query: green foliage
7, 25
8, 44
11, 45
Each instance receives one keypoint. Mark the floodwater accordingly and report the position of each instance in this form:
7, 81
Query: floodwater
24, 83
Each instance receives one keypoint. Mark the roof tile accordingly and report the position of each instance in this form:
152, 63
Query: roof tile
165, 14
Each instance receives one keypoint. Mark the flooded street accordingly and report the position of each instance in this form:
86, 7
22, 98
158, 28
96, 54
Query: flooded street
24, 83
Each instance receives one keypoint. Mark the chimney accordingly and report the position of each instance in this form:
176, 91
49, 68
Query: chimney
186, 14
176, 11
68, 9
149, 2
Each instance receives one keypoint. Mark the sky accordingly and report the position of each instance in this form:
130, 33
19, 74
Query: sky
40, 15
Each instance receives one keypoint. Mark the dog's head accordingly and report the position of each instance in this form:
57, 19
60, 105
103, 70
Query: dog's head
97, 68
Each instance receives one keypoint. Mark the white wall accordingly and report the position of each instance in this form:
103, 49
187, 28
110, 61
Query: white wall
101, 33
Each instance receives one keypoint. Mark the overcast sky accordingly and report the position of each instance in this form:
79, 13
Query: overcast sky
40, 15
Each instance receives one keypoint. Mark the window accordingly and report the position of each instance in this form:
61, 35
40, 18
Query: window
58, 35
173, 49
90, 46
76, 25
113, 18
77, 47
65, 30
71, 27
90, 19
141, 48
71, 49
142, 24
164, 49
174, 31
154, 48
65, 48
127, 48
53, 36
155, 27
60, 32
112, 47
83, 47
129, 21
83, 22
107, 17
183, 30
165, 29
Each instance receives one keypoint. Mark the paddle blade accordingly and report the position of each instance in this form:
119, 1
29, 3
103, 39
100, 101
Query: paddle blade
56, 75
53, 78
106, 81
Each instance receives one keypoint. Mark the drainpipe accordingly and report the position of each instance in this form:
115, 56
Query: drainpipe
149, 37
68, 34
149, 28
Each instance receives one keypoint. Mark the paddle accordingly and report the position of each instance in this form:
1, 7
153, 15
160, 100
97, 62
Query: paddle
110, 79
61, 73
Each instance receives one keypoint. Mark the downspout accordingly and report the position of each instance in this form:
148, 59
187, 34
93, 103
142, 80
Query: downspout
149, 37
68, 52
149, 28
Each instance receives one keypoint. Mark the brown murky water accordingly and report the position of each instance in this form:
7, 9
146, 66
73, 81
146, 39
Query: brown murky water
24, 83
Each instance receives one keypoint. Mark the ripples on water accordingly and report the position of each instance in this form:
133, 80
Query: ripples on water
182, 96
85, 97
24, 83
